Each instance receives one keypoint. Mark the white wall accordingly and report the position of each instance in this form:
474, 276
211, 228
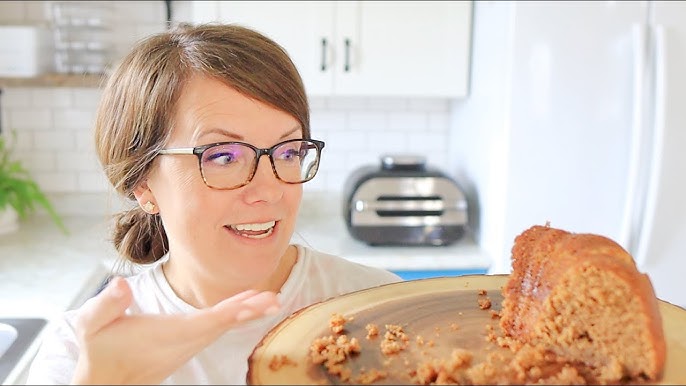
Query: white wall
54, 125
480, 128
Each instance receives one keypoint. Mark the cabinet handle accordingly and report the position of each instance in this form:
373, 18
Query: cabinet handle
346, 66
324, 43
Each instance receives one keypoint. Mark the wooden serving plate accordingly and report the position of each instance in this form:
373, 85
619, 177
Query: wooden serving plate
444, 312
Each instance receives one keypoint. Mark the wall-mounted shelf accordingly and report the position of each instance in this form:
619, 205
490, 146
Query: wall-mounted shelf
55, 80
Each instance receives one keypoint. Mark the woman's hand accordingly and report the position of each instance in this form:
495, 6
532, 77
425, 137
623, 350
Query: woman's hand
116, 348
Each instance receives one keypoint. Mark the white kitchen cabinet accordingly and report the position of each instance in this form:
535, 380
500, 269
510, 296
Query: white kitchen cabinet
363, 48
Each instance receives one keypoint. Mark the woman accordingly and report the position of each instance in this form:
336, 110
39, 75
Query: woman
207, 129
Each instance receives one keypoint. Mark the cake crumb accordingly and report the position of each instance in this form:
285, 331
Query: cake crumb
371, 376
395, 340
372, 331
337, 323
278, 361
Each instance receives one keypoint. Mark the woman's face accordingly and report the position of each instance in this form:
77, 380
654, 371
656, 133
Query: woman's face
239, 235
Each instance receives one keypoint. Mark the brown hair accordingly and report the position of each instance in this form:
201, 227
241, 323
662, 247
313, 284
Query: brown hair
135, 113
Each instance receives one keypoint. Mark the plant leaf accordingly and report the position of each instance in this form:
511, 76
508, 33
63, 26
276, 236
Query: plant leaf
19, 190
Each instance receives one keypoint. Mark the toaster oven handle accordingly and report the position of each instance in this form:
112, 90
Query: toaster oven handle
409, 205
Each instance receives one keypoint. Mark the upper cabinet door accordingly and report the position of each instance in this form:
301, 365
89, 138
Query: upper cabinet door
409, 48
363, 48
303, 28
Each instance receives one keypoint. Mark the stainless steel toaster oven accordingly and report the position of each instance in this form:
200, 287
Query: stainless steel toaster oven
403, 201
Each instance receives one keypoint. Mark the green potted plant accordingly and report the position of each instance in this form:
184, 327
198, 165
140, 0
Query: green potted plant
20, 195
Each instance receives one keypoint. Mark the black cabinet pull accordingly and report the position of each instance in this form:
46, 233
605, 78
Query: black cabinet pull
324, 43
346, 66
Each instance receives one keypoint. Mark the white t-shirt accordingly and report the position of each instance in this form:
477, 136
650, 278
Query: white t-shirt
315, 277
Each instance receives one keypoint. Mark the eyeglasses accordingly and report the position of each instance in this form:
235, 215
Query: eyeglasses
230, 165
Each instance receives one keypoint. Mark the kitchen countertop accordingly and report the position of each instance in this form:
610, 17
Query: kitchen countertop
329, 234
44, 272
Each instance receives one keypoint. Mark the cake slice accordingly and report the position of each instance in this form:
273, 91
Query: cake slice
582, 298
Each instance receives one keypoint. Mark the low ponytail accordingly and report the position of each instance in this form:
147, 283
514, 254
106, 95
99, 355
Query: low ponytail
139, 237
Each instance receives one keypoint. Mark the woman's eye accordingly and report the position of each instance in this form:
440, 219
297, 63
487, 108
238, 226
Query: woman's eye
221, 158
225, 158
289, 154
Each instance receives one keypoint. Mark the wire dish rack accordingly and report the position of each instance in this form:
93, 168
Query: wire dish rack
82, 33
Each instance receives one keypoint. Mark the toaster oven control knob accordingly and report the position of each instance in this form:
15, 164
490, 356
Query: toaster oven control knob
403, 162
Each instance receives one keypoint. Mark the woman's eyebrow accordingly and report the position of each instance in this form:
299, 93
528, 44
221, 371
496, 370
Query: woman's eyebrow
217, 130
229, 134
291, 131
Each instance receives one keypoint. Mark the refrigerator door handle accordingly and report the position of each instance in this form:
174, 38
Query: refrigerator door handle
632, 212
646, 232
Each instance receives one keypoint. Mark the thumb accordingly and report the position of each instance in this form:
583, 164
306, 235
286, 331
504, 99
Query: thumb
104, 308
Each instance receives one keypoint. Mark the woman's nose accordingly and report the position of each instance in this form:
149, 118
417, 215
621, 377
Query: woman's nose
264, 186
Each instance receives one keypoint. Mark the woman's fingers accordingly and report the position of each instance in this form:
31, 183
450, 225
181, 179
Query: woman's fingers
231, 311
102, 309
245, 306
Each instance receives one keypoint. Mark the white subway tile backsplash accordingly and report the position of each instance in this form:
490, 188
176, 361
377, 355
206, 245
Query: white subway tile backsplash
62, 140
88, 204
429, 104
86, 98
348, 141
20, 140
439, 122
318, 103
51, 97
74, 118
141, 31
387, 104
92, 182
347, 103
326, 120
367, 120
85, 140
60, 182
364, 157
388, 141
333, 162
408, 120
73, 161
318, 184
29, 118
36, 160
15, 97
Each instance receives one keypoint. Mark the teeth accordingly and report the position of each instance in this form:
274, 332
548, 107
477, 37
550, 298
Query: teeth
258, 235
254, 227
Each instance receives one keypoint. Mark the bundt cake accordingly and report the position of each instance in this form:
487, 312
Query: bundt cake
581, 298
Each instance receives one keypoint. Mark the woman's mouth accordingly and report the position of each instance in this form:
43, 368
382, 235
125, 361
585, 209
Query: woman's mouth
253, 231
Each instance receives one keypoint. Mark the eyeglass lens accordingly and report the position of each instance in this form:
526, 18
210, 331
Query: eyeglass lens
226, 166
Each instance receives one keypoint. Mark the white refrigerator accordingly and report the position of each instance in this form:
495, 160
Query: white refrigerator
577, 115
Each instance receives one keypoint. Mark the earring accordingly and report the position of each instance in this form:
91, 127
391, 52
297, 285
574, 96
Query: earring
149, 207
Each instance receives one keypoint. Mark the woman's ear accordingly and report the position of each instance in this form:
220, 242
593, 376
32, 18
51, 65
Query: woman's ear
145, 198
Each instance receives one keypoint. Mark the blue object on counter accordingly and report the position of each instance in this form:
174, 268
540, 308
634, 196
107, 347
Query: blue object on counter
424, 274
